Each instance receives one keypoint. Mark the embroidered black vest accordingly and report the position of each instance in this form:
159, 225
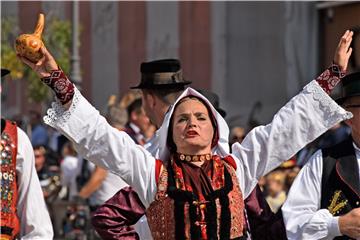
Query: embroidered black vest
340, 187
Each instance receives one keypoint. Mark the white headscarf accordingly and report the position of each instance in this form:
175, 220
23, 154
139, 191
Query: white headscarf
222, 146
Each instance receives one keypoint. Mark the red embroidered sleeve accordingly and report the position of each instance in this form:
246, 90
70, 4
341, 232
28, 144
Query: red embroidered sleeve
230, 160
330, 78
61, 85
158, 165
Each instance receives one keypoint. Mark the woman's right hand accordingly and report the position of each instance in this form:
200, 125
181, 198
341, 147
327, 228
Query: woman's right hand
343, 51
50, 74
44, 66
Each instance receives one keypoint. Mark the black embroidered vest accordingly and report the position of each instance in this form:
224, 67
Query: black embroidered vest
340, 187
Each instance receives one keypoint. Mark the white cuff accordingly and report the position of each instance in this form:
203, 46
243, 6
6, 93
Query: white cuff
57, 115
332, 109
333, 227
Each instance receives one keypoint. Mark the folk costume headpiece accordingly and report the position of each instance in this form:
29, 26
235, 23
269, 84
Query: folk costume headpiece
220, 147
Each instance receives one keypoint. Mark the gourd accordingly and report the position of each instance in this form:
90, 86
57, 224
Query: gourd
29, 45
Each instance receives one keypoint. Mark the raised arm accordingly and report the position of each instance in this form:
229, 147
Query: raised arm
300, 121
92, 136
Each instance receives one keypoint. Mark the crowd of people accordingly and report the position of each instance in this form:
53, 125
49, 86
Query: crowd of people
162, 163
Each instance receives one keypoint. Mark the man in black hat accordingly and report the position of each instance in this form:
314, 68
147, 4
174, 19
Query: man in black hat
162, 82
324, 201
20, 187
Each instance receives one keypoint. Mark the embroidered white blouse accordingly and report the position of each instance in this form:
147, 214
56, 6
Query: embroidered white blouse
300, 121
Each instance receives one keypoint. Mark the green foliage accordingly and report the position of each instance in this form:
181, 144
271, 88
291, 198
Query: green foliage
57, 39
8, 56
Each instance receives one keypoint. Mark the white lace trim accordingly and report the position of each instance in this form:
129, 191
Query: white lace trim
57, 115
325, 101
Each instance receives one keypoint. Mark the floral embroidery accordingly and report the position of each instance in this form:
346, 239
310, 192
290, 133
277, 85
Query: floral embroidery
330, 78
62, 86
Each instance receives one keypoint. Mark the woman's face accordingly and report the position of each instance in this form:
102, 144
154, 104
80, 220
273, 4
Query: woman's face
192, 128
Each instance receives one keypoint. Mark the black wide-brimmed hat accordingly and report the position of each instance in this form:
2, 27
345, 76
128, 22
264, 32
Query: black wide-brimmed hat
4, 72
214, 100
350, 87
164, 73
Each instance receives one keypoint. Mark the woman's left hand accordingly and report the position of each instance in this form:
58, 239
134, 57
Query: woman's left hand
343, 51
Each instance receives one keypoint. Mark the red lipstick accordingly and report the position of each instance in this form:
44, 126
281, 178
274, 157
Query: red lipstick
191, 133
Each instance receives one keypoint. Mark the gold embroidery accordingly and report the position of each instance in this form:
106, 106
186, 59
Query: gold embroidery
336, 203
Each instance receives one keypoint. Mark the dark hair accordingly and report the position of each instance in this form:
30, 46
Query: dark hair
52, 158
41, 148
170, 141
134, 106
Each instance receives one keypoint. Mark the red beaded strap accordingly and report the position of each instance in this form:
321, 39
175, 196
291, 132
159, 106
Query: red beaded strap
61, 85
330, 78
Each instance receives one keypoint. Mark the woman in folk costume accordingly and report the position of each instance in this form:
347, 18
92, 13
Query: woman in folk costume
195, 190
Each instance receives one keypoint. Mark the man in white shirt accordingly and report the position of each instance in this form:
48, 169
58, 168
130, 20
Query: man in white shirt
324, 201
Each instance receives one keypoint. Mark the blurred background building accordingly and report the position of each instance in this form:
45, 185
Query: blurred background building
254, 55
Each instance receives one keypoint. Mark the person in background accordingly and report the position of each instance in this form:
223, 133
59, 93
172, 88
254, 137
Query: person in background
138, 122
71, 169
290, 169
149, 132
48, 171
39, 134
275, 185
40, 159
237, 134
116, 113
290, 177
